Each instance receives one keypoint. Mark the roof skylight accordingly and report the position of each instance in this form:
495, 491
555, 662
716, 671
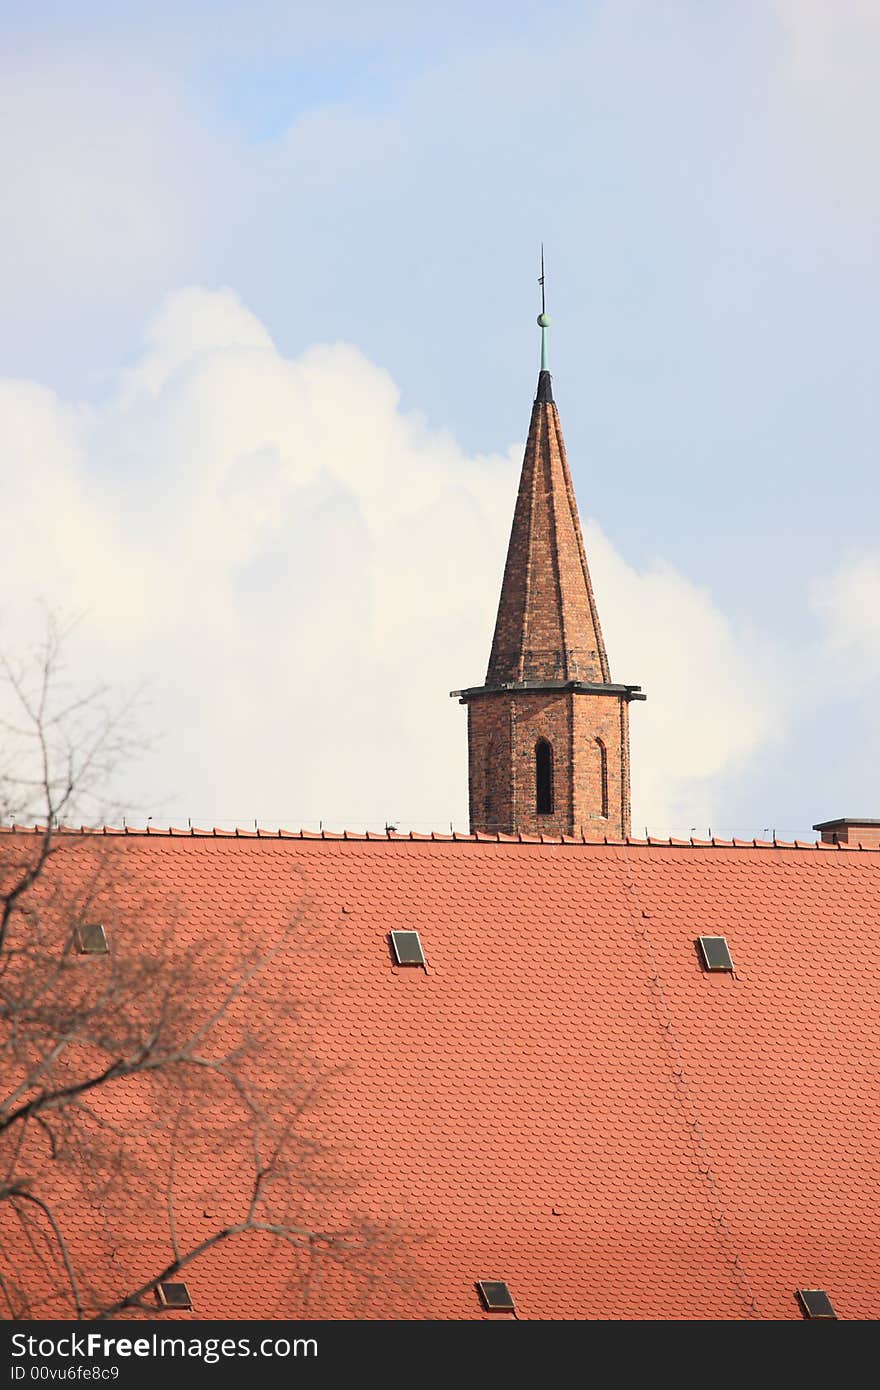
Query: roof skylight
815, 1303
91, 939
496, 1296
407, 948
715, 953
173, 1295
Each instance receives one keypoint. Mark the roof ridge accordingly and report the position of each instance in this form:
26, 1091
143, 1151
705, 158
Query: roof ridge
435, 837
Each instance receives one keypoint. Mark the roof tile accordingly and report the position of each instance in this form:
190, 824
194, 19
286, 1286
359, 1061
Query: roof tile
712, 1141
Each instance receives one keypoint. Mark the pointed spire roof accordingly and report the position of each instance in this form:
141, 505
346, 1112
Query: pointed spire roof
547, 626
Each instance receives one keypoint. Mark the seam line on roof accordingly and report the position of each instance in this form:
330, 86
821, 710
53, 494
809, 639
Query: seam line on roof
681, 1089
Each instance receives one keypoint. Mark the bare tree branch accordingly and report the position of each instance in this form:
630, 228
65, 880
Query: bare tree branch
19, 1194
177, 1036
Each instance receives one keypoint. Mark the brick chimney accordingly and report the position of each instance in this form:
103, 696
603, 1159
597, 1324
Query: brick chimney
850, 830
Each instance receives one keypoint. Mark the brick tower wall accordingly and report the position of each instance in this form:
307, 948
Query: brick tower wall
503, 730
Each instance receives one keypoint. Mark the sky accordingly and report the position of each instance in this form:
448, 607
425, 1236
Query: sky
268, 350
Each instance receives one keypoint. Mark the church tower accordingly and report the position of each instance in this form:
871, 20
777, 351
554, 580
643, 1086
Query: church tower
548, 732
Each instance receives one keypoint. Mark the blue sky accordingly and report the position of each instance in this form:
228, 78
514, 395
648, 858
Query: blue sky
703, 178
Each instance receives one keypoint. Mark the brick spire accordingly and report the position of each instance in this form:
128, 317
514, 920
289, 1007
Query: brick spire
547, 625
548, 732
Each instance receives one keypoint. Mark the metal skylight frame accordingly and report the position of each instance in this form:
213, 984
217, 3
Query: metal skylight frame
407, 954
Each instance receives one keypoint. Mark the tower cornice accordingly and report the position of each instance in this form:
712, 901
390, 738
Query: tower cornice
620, 692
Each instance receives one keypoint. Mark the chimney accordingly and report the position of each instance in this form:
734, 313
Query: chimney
850, 830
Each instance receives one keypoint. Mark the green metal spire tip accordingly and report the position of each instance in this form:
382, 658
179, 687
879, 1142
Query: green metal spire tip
543, 317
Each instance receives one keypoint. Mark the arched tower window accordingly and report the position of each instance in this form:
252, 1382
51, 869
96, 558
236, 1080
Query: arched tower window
543, 778
603, 775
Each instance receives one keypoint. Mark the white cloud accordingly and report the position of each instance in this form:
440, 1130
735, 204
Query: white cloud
194, 322
334, 145
712, 688
829, 66
101, 171
832, 49
848, 602
302, 572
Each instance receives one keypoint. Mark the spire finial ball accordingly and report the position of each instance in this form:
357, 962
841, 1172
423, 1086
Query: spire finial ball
543, 320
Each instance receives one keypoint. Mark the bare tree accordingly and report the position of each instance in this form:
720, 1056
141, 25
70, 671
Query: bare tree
153, 1108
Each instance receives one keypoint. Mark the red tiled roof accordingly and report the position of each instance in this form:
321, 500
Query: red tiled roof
563, 1100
